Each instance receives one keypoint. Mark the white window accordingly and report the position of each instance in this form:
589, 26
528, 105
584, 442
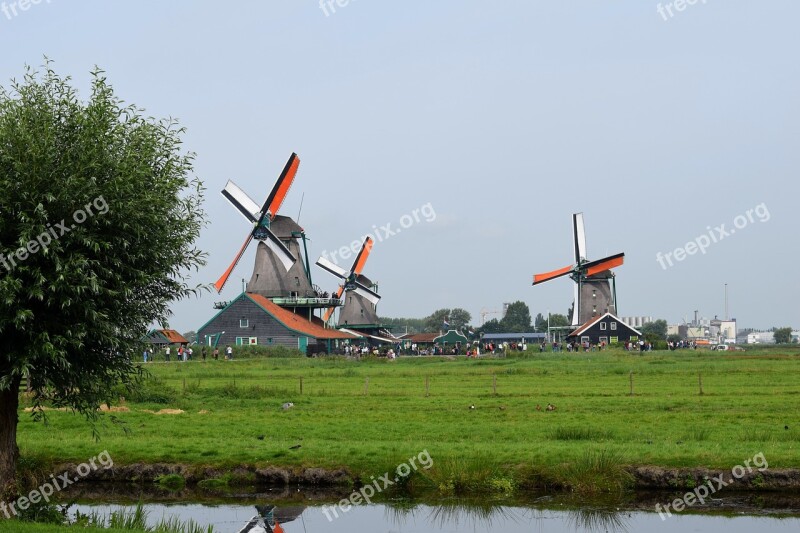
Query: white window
241, 341
253, 341
244, 323
603, 326
613, 326
584, 339
604, 340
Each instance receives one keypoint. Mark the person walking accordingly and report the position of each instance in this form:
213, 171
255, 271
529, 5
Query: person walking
166, 354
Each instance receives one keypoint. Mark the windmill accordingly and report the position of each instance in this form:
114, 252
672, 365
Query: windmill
595, 287
268, 228
361, 300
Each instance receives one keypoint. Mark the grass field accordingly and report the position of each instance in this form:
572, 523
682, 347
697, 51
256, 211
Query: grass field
749, 399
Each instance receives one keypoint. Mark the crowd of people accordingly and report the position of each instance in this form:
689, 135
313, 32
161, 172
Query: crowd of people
185, 353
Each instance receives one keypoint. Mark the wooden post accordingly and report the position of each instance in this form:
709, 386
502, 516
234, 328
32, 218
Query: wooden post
631, 382
366, 387
700, 380
301, 385
184, 384
494, 383
427, 386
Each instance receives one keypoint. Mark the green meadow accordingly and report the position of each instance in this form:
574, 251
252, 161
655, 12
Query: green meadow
369, 416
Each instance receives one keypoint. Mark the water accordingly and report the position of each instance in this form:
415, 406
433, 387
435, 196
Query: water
548, 515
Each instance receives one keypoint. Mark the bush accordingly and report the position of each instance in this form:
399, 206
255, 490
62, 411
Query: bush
247, 352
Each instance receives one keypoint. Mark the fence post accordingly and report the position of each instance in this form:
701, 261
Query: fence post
631, 382
494, 383
700, 381
301, 385
427, 386
366, 387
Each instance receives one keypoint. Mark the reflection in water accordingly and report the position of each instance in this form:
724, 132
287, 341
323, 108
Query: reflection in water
476, 514
550, 514
598, 520
480, 515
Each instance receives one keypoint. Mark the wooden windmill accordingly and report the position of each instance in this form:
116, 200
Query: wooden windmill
360, 300
277, 272
595, 283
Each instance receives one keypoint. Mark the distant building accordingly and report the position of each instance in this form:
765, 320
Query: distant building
607, 329
726, 330
637, 321
428, 340
761, 337
166, 337
526, 338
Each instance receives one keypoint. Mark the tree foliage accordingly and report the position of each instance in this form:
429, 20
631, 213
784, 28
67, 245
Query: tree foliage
75, 305
656, 330
558, 321
400, 325
783, 335
517, 319
457, 319
540, 323
490, 326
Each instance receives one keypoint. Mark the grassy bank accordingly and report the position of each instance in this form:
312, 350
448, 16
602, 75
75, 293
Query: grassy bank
371, 416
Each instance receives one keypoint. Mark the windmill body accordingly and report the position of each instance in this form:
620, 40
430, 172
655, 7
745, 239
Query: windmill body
360, 307
270, 279
595, 283
358, 311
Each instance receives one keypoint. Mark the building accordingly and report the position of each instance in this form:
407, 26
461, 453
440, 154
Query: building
725, 330
607, 329
421, 340
451, 338
429, 340
166, 337
761, 337
637, 321
252, 319
524, 338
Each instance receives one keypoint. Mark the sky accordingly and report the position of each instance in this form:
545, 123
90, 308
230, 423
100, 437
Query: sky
497, 119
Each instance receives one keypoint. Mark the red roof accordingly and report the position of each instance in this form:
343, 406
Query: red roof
420, 337
296, 322
173, 336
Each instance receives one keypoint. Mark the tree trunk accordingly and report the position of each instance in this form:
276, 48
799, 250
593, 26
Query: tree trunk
9, 452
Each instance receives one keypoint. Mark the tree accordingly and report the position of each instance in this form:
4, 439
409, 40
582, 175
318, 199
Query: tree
517, 319
490, 326
98, 215
558, 321
783, 335
656, 330
540, 323
190, 336
435, 321
456, 318
403, 325
459, 319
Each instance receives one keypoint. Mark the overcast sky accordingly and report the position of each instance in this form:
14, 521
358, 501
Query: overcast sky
504, 117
